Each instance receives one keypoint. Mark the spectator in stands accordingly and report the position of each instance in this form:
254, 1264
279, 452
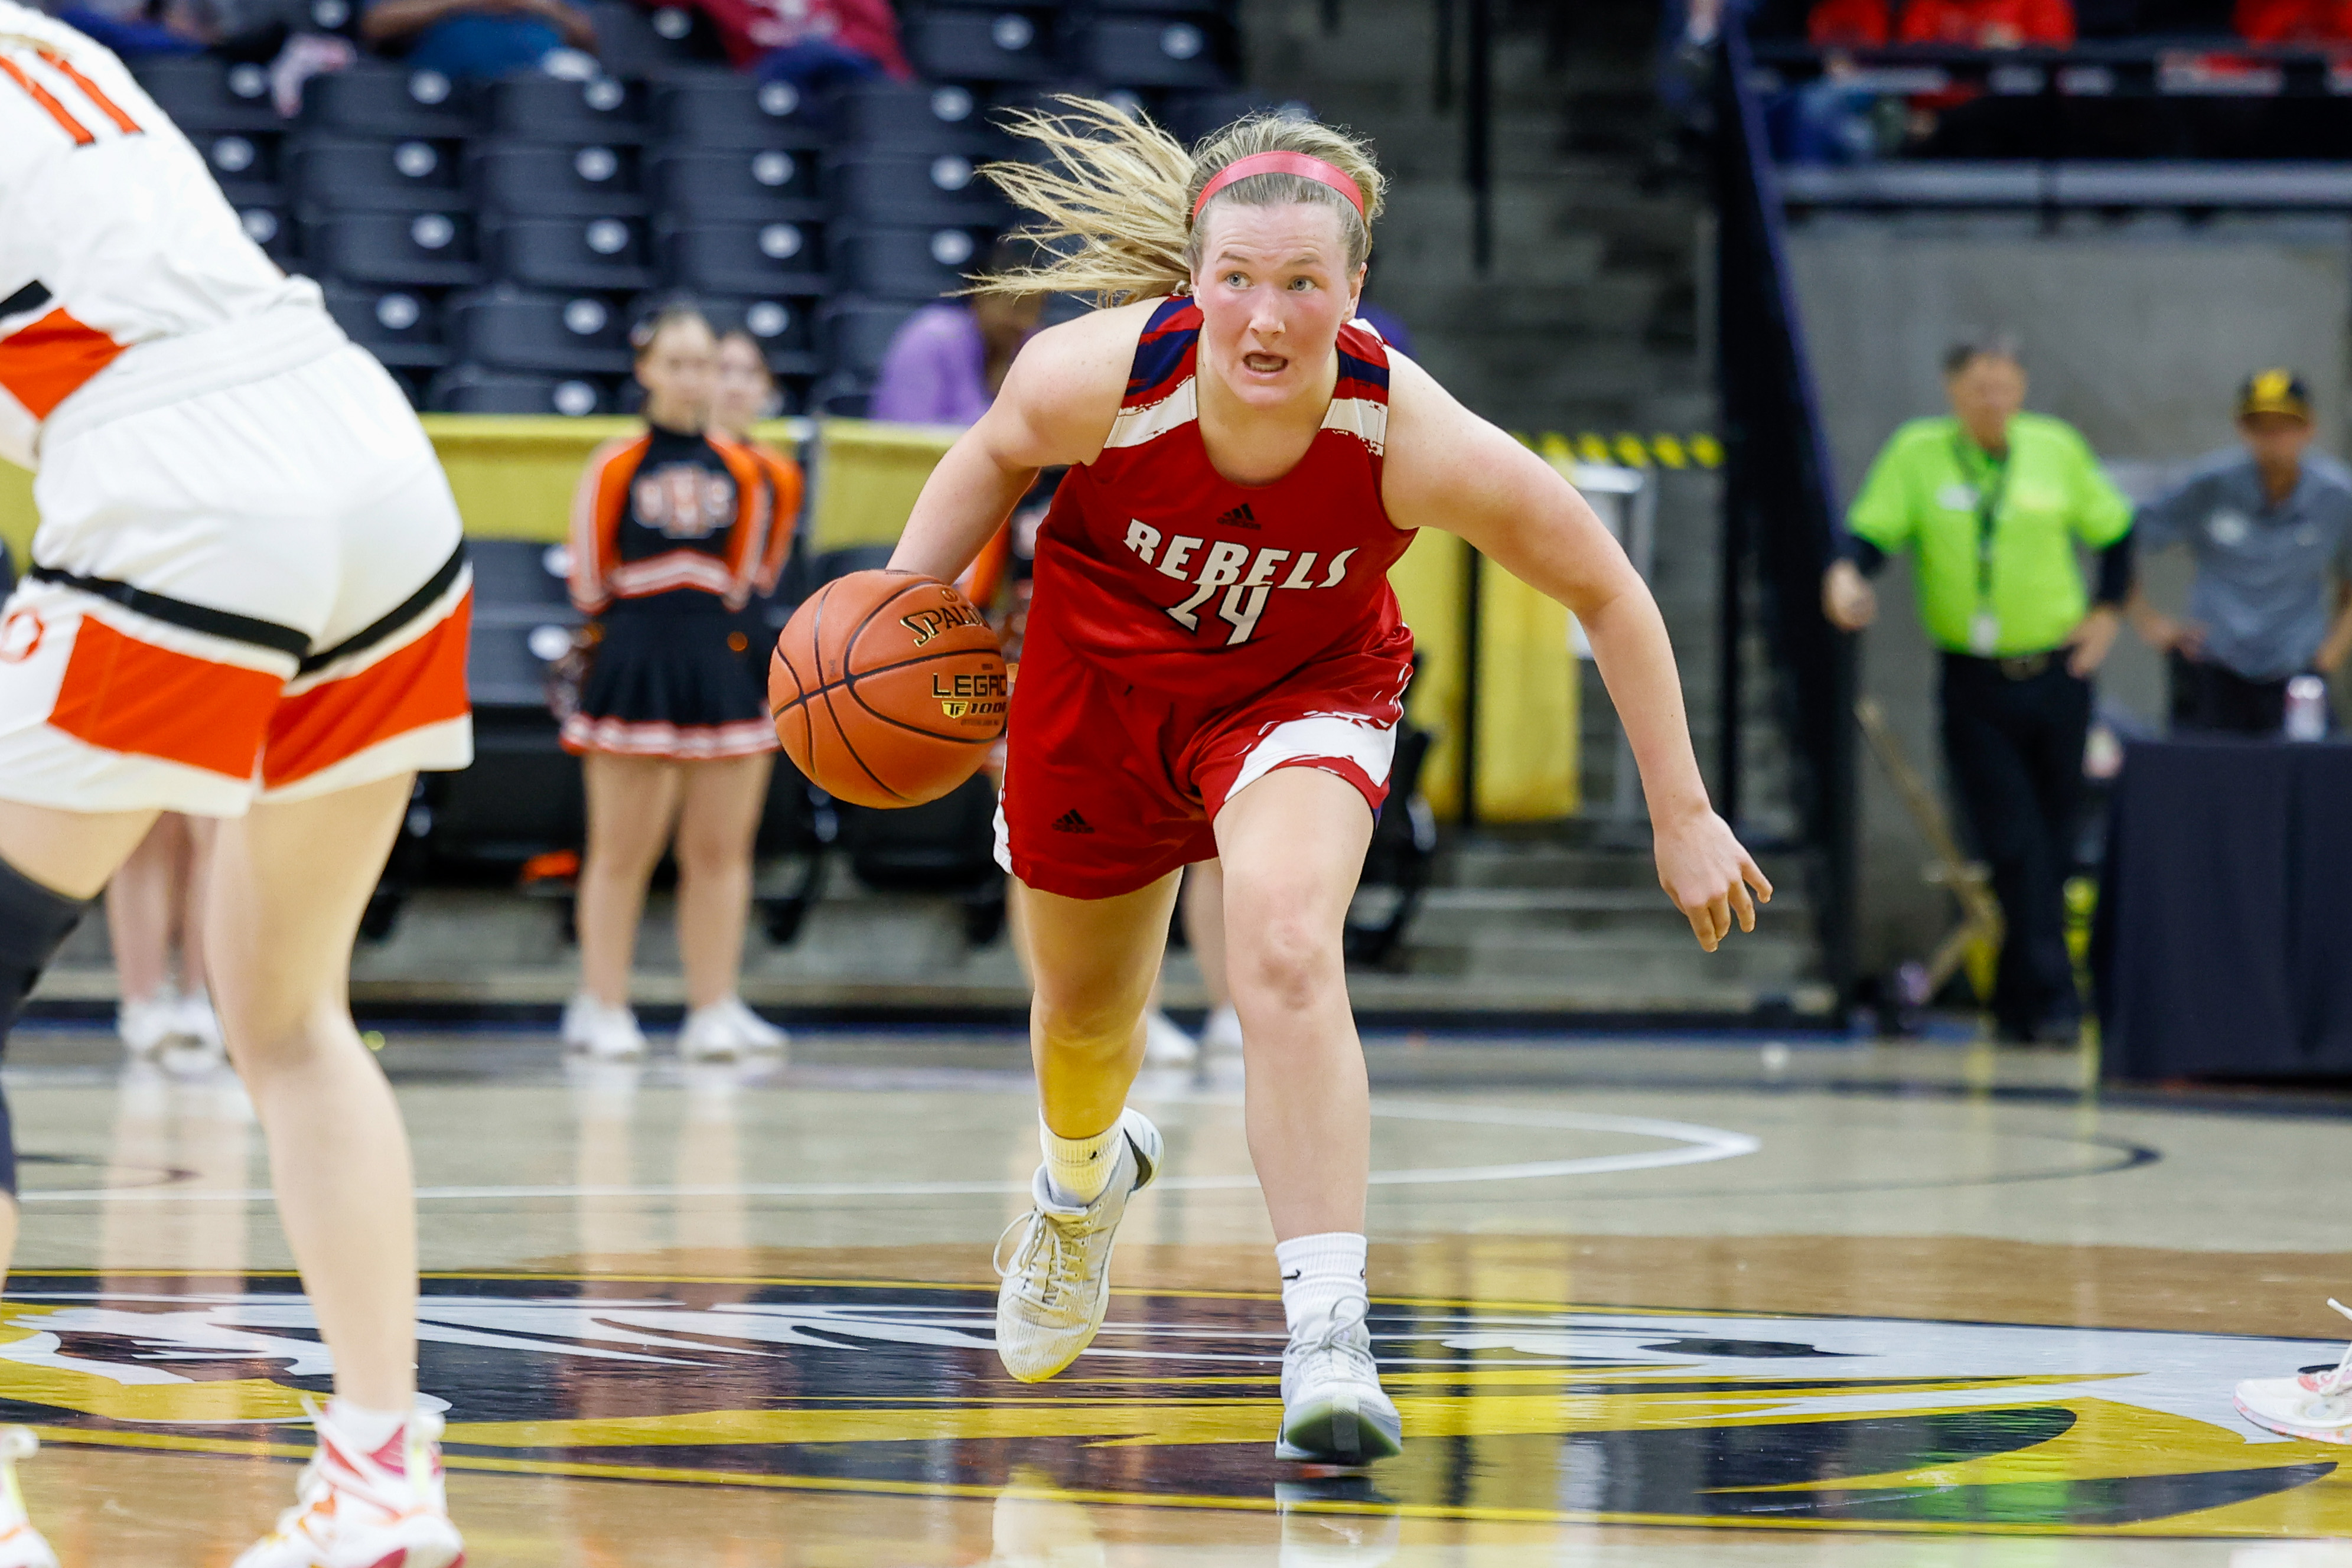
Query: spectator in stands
813, 44
671, 533
155, 904
1989, 24
477, 40
2267, 525
1991, 501
2287, 22
946, 362
1848, 24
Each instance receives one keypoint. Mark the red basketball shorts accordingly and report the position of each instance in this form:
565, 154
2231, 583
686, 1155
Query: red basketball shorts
1109, 787
251, 592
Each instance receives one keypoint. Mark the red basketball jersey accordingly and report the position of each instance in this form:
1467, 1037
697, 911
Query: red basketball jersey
1164, 573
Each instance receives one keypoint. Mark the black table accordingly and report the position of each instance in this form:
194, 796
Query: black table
2223, 944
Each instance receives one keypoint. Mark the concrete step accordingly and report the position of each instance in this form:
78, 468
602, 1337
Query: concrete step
1663, 965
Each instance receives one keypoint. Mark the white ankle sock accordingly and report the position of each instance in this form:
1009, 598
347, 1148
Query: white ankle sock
1078, 1169
1318, 1273
371, 1429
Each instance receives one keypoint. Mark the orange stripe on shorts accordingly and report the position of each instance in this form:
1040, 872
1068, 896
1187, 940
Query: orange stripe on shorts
122, 694
44, 363
423, 684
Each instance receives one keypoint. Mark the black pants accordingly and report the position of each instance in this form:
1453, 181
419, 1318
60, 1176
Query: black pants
2211, 696
2014, 748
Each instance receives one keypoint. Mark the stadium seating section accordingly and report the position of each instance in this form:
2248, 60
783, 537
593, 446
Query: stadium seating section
493, 245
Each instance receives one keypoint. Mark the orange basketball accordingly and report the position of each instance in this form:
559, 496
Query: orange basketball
887, 688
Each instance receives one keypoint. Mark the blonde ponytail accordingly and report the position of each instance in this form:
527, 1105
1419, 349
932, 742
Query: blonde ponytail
1114, 204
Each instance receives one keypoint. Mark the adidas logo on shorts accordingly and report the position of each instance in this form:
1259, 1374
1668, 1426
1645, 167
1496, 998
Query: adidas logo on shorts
1070, 821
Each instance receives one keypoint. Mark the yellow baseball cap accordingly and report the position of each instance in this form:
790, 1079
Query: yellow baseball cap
2274, 390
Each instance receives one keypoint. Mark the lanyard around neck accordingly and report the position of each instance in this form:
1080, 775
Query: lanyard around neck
1989, 496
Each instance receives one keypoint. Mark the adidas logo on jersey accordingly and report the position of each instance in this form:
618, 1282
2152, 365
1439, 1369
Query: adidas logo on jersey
1241, 517
1070, 821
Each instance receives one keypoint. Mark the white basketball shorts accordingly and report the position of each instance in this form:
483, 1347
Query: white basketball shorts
252, 592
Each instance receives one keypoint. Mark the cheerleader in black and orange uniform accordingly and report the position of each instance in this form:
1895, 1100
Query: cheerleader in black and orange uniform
672, 531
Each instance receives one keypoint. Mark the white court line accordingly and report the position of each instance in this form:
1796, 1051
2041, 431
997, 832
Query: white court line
1689, 1143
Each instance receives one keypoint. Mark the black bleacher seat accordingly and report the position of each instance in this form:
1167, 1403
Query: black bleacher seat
947, 845
1152, 51
762, 259
982, 46
635, 42
522, 795
376, 174
606, 252
917, 118
423, 250
899, 262
203, 95
1191, 116
507, 329
472, 389
386, 100
894, 188
549, 109
785, 327
707, 111
245, 163
268, 225
400, 327
593, 181
740, 185
858, 333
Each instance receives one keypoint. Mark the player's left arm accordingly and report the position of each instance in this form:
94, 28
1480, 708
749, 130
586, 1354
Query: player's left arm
1447, 468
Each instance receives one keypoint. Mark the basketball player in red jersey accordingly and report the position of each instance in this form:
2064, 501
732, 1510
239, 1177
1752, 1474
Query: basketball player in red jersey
1215, 667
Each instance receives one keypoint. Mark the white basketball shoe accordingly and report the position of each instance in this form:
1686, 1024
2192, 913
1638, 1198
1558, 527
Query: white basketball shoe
1057, 1286
1334, 1411
2314, 1405
1221, 1035
21, 1545
357, 1510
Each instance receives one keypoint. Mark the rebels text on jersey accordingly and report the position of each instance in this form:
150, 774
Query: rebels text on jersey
1168, 575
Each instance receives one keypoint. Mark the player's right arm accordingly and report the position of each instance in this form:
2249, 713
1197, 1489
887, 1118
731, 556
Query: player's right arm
1054, 410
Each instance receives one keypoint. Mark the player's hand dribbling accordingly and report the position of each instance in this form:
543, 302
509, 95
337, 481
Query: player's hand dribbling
1708, 875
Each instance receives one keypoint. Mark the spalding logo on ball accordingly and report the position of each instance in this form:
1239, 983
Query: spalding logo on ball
887, 688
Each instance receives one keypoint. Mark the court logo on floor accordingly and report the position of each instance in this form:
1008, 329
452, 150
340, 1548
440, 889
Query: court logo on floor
1510, 1412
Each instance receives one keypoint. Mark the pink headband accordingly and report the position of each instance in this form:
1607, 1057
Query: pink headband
1304, 166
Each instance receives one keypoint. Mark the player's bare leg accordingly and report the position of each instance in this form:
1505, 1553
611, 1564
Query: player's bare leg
290, 882
718, 819
633, 803
1205, 930
1093, 963
1293, 844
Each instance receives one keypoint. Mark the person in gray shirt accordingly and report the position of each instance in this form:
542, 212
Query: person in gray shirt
2267, 525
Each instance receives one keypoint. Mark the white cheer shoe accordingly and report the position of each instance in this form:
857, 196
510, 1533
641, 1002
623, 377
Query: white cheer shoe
607, 1033
1057, 1286
725, 1032
1165, 1043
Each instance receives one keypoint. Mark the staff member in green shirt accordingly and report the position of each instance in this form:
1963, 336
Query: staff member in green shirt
1991, 502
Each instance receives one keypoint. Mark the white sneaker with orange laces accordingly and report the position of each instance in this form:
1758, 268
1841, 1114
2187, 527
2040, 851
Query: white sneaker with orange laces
21, 1545
357, 1510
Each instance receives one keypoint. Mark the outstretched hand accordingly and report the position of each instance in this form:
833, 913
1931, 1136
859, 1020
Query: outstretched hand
1708, 875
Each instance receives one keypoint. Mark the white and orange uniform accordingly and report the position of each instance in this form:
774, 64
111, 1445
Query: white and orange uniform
249, 578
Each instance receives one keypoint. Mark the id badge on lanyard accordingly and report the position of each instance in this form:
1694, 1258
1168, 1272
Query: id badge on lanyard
1984, 626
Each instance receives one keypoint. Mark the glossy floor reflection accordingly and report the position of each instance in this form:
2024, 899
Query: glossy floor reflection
1641, 1302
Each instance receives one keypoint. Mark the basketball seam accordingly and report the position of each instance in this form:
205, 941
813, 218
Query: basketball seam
823, 686
817, 629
